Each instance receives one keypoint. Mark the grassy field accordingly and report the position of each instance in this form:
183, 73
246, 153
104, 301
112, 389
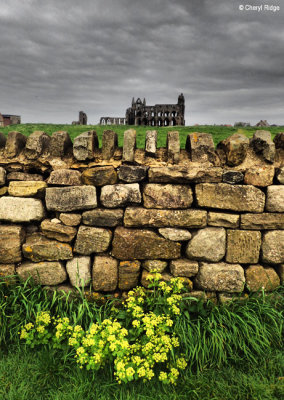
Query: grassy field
218, 132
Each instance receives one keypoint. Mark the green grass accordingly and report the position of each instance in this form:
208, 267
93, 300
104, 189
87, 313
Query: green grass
218, 132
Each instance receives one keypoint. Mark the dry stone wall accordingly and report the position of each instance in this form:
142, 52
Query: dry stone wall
106, 218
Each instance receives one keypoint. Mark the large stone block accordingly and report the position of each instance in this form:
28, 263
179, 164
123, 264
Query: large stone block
79, 271
71, 198
273, 247
184, 267
84, 145
201, 147
39, 248
167, 196
60, 143
99, 176
92, 240
119, 195
59, 232
26, 188
262, 221
260, 278
262, 144
220, 277
175, 234
132, 173
179, 174
243, 246
234, 148
2, 176
105, 273
129, 144
260, 176
36, 143
109, 144
143, 244
151, 143
17, 209
44, 273
136, 217
14, 144
128, 274
223, 219
173, 145
103, 217
11, 239
208, 244
230, 197
275, 198
23, 176
65, 177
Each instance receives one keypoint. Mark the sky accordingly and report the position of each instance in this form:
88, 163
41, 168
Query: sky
58, 57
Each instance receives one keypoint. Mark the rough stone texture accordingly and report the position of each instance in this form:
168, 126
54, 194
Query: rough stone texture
119, 195
71, 198
84, 145
136, 217
65, 177
151, 143
103, 217
184, 267
14, 144
17, 209
201, 147
173, 145
260, 176
273, 247
280, 175
92, 240
142, 244
235, 148
109, 144
44, 273
275, 198
36, 143
223, 219
258, 278
3, 190
280, 270
105, 274
129, 144
230, 197
71, 219
233, 177
167, 196
262, 144
155, 265
220, 277
99, 176
7, 270
175, 234
3, 139
57, 231
60, 143
132, 173
23, 176
279, 140
26, 188
262, 221
2, 176
11, 239
39, 248
176, 174
128, 274
208, 244
243, 246
79, 271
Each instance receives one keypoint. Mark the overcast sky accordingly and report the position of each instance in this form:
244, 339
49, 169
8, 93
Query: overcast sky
61, 56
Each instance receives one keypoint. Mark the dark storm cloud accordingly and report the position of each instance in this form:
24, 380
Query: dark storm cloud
58, 57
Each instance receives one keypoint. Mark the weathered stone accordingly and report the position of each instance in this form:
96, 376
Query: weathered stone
208, 244
279, 140
230, 197
220, 277
137, 216
280, 270
3, 139
17, 209
151, 143
99, 176
60, 143
11, 239
223, 219
176, 174
103, 217
129, 144
79, 271
262, 221
39, 248
175, 234
71, 219
105, 274
201, 147
280, 175
233, 177
84, 145
58, 231
92, 240
44, 273
36, 143
132, 173
109, 144
128, 274
22, 176
243, 246
65, 177
26, 188
173, 145
275, 198
184, 267
235, 148
261, 143
260, 278
14, 144
3, 190
2, 176
167, 196
273, 247
142, 244
260, 176
71, 198
119, 195
155, 265
7, 273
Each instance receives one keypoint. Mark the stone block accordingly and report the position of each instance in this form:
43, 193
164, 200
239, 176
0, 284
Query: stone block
167, 196
56, 231
3, 190
26, 188
128, 274
11, 239
79, 271
39, 248
129, 144
260, 278
103, 217
44, 273
132, 173
201, 147
234, 148
155, 265
99, 176
109, 144
84, 145
71, 198
223, 219
65, 177
243, 246
2, 176
233, 177
273, 247
120, 195
280, 175
208, 244
7, 273
262, 144
184, 267
151, 143
23, 176
275, 198
70, 219
175, 234
36, 144
179, 174
260, 176
105, 274
60, 143
14, 144
17, 209
262, 221
173, 146
92, 240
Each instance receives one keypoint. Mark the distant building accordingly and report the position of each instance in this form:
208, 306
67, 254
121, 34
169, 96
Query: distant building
82, 119
8, 119
112, 121
241, 124
262, 123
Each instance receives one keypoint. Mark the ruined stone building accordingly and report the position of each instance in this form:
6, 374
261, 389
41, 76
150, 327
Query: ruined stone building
113, 121
7, 119
82, 119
